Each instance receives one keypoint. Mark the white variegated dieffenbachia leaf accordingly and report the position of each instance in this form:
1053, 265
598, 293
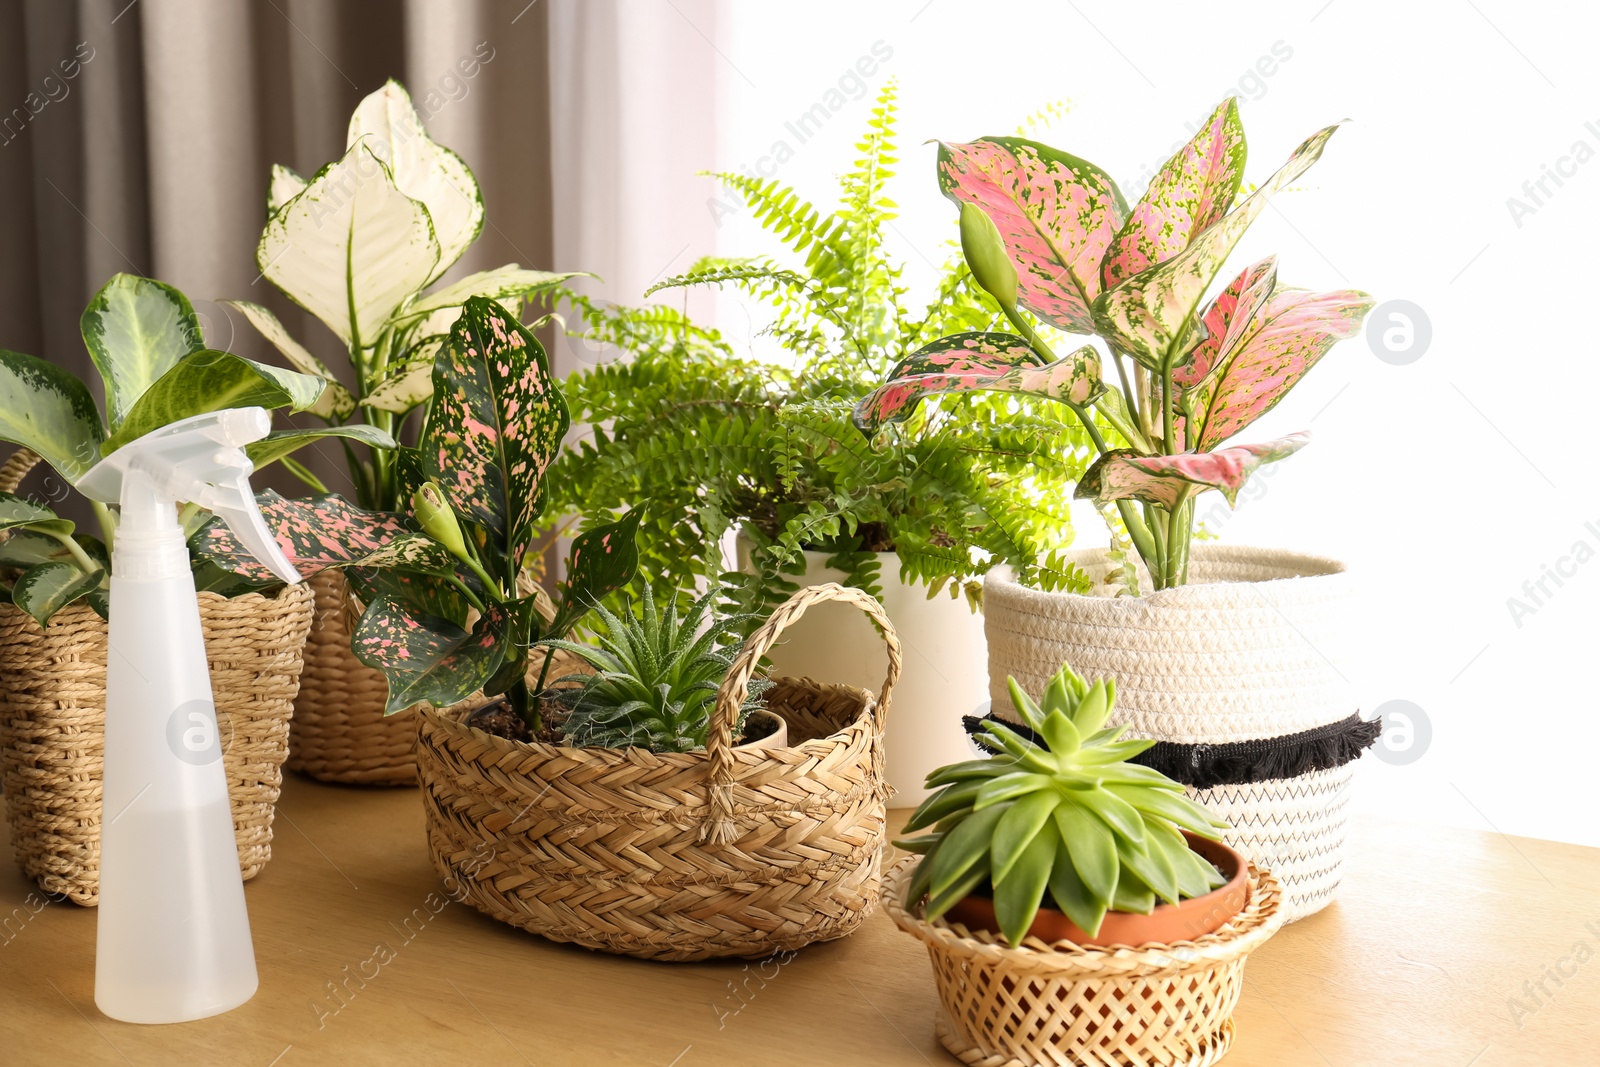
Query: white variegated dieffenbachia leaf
1146, 315
335, 401
136, 329
1166, 480
283, 186
351, 248
386, 122
501, 284
408, 383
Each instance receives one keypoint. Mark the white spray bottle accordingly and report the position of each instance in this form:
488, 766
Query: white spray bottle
173, 938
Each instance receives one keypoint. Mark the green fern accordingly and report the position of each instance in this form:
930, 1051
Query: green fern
706, 441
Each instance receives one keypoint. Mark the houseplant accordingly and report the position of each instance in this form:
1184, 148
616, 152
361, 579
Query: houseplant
362, 245
708, 441
1059, 816
147, 345
1233, 650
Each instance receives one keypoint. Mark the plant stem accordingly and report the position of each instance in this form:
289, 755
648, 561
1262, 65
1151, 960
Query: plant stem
108, 529
1177, 544
1141, 387
1127, 391
1168, 436
79, 556
466, 591
1158, 569
544, 672
524, 704
1040, 350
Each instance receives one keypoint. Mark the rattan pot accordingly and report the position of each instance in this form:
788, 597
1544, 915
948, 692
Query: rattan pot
340, 733
674, 856
1062, 1005
1242, 678
52, 727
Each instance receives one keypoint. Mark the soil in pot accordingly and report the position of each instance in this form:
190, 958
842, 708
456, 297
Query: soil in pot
1167, 923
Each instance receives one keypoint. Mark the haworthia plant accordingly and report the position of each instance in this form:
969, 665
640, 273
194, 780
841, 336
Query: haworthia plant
146, 342
359, 245
1187, 379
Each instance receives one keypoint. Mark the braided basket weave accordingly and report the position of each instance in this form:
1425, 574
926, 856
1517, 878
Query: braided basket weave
52, 727
1039, 1005
674, 856
1251, 649
340, 733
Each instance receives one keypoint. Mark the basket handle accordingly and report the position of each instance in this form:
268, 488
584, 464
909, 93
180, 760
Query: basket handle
16, 468
719, 737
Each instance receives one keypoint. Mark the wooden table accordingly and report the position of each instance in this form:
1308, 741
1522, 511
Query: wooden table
1423, 960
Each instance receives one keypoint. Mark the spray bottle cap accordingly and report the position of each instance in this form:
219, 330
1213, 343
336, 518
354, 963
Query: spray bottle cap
196, 460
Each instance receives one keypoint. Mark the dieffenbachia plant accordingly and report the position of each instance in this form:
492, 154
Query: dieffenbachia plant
147, 344
1049, 234
446, 614
358, 245
1069, 819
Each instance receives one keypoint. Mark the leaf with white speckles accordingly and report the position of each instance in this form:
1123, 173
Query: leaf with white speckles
497, 423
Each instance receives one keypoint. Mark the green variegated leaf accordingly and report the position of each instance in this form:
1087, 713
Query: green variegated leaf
316, 533
1193, 190
1149, 314
136, 330
45, 408
386, 123
428, 659
283, 186
46, 588
281, 443
408, 383
503, 284
602, 560
210, 381
23, 548
335, 401
17, 513
351, 248
1228, 320
422, 593
1166, 480
497, 422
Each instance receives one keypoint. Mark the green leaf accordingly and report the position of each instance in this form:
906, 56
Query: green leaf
46, 588
1018, 894
965, 845
210, 381
15, 512
1074, 898
136, 330
1093, 849
44, 408
425, 658
497, 423
1114, 812
940, 803
1170, 807
502, 284
282, 186
281, 443
320, 532
386, 124
1150, 862
409, 382
1132, 895
335, 401
1024, 821
602, 560
24, 548
351, 248
422, 593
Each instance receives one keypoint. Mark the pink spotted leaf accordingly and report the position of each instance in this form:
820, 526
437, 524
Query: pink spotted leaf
1149, 313
1293, 332
1193, 190
1056, 213
497, 422
603, 559
1166, 480
427, 659
1228, 320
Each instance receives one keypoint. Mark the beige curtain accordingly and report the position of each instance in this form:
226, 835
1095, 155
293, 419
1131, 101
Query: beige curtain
136, 135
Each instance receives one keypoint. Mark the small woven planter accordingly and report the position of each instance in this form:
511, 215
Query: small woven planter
52, 727
340, 733
674, 856
1240, 675
1039, 1005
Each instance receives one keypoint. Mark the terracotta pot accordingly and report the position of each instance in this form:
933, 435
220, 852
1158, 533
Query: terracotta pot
1166, 924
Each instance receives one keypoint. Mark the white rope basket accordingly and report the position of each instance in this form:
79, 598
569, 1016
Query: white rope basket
1253, 648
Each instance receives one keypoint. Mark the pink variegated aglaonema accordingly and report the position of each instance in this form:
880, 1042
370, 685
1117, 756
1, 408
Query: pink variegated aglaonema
1189, 375
446, 615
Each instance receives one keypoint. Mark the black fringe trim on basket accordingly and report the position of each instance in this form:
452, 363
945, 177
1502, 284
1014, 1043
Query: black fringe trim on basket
1242, 762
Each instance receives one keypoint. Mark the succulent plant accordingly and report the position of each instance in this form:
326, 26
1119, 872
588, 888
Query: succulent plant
1070, 818
657, 678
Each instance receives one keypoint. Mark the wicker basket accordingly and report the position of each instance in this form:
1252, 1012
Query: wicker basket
1041, 1005
340, 733
674, 856
52, 727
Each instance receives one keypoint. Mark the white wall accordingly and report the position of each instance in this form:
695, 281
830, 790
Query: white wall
1446, 482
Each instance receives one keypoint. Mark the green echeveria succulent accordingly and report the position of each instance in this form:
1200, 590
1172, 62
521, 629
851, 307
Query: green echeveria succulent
657, 678
1069, 817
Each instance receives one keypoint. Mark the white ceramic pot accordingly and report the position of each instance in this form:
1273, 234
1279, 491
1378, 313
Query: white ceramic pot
945, 671
1243, 673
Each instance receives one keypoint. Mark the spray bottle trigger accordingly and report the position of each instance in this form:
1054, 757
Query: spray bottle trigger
232, 502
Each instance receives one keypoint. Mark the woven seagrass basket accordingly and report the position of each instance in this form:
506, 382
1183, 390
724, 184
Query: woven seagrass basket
340, 733
52, 727
674, 856
1061, 1005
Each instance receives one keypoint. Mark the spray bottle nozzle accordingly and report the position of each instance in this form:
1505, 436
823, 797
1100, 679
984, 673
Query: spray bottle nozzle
195, 460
